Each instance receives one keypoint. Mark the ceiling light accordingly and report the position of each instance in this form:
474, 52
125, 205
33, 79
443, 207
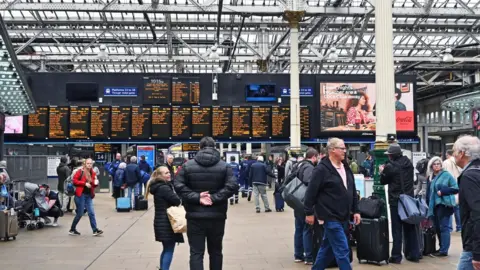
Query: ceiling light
447, 56
333, 54
214, 55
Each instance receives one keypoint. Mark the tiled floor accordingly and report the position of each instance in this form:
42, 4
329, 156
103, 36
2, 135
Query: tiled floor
252, 242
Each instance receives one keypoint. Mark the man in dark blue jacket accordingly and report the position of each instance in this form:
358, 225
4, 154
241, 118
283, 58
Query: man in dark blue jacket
258, 177
248, 180
236, 173
144, 166
132, 178
243, 177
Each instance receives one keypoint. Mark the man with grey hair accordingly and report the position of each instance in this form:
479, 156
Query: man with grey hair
133, 179
466, 152
258, 178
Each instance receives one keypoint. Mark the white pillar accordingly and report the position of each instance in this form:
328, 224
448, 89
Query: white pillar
248, 67
294, 81
229, 147
249, 148
384, 71
221, 149
239, 147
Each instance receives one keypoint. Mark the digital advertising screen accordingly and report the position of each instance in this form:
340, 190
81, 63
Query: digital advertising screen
351, 107
13, 124
260, 92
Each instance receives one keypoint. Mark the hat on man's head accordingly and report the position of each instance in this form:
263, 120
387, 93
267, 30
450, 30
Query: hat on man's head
394, 149
3, 164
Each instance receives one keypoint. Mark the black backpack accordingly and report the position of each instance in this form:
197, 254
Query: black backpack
422, 166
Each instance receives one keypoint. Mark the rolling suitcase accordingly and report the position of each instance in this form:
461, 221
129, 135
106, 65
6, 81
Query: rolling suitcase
8, 225
124, 204
372, 240
429, 241
420, 240
141, 203
317, 235
279, 202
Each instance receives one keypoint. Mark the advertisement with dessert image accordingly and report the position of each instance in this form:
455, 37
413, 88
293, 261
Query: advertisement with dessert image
351, 107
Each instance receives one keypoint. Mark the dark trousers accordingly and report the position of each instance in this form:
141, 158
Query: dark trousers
442, 215
398, 229
211, 230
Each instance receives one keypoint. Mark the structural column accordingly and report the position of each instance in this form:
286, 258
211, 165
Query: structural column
249, 149
384, 91
294, 17
229, 147
239, 147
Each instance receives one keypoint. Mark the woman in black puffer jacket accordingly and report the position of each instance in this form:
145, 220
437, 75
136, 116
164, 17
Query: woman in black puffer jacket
164, 196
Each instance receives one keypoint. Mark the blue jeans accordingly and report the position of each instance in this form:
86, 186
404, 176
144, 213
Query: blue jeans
334, 246
303, 240
465, 262
132, 192
167, 254
82, 202
442, 217
458, 222
398, 229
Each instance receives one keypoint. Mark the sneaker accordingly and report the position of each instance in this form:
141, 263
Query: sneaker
74, 233
268, 210
97, 232
298, 260
308, 263
439, 254
258, 210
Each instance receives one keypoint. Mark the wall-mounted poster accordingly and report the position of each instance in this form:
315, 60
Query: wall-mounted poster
351, 107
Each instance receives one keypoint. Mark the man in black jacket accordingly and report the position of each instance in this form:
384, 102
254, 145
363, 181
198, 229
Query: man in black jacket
397, 173
332, 197
258, 176
133, 179
303, 232
466, 152
205, 183
63, 172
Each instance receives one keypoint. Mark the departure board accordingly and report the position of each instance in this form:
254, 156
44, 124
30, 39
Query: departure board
201, 121
141, 122
38, 123
280, 121
181, 122
185, 90
58, 122
156, 90
261, 121
100, 122
221, 122
241, 120
79, 122
161, 119
190, 147
305, 122
120, 128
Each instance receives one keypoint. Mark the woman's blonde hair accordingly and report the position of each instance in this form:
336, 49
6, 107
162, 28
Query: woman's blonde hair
154, 178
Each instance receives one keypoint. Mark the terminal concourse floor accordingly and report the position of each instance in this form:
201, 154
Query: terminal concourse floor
252, 242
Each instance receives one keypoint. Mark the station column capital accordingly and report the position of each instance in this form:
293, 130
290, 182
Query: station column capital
293, 17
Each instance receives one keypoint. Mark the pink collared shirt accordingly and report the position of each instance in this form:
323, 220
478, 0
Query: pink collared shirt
343, 174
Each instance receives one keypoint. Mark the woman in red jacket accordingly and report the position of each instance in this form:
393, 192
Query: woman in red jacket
85, 182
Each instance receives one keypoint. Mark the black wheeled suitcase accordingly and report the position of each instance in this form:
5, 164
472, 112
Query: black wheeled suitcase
420, 239
372, 240
317, 235
141, 203
429, 241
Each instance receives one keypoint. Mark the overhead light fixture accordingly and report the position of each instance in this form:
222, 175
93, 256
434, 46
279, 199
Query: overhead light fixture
103, 54
214, 55
219, 69
333, 54
447, 56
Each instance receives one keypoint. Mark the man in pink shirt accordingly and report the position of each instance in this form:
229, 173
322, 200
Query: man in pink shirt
330, 200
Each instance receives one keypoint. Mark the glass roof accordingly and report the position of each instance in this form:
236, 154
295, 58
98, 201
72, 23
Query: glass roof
178, 35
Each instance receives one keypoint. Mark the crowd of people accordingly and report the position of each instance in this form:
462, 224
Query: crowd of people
206, 184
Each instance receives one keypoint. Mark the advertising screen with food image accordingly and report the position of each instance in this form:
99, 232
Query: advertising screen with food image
351, 107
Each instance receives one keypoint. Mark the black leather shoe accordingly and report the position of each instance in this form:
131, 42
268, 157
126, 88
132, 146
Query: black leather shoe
392, 260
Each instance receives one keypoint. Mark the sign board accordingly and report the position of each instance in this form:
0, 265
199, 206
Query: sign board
100, 157
149, 152
52, 164
360, 184
119, 91
304, 91
190, 147
102, 147
191, 155
235, 154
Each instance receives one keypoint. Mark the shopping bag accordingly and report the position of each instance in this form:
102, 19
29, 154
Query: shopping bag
176, 216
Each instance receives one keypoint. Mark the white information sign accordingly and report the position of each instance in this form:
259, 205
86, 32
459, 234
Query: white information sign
52, 164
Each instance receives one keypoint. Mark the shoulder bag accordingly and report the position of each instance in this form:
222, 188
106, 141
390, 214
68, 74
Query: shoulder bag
176, 216
411, 210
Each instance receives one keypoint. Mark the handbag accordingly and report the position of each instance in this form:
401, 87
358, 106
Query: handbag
371, 207
176, 216
411, 210
294, 194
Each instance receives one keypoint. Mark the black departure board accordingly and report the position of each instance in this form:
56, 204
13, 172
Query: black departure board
241, 121
58, 122
100, 122
79, 122
161, 119
221, 122
261, 121
156, 90
305, 122
141, 122
120, 128
181, 122
201, 121
102, 148
190, 147
185, 90
280, 121
38, 123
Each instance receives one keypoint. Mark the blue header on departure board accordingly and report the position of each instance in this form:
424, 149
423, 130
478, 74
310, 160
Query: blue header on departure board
304, 91
113, 91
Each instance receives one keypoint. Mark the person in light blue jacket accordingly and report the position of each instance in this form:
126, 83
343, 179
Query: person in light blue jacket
441, 190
